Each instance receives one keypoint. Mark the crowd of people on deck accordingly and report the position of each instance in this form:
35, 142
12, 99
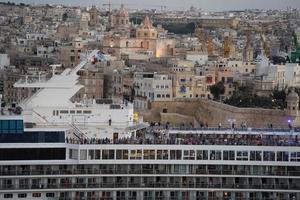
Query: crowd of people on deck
161, 137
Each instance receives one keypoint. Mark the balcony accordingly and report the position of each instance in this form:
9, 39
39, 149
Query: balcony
99, 172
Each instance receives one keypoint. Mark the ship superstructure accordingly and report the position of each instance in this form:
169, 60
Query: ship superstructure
51, 105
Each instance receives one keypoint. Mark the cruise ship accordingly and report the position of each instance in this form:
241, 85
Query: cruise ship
57, 149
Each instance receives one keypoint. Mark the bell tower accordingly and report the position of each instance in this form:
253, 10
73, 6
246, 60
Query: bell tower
292, 103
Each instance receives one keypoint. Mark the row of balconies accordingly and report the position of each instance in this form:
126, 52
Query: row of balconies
150, 171
176, 185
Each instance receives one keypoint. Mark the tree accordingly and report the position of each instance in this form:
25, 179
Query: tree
245, 98
278, 99
217, 90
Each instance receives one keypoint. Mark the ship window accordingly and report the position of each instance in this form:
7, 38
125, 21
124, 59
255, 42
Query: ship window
282, 156
189, 155
22, 195
115, 106
215, 155
108, 154
149, 154
83, 155
242, 155
97, 154
122, 154
255, 155
79, 111
64, 112
176, 154
73, 154
91, 154
8, 196
53, 112
50, 195
180, 169
202, 155
36, 195
228, 155
135, 154
295, 156
87, 112
269, 156
72, 111
162, 155
5, 125
32, 154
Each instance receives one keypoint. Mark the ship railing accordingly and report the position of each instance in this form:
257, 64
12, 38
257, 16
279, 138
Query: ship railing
187, 128
184, 142
31, 79
78, 133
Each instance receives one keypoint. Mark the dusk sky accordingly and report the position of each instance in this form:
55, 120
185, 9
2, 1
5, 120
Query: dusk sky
179, 4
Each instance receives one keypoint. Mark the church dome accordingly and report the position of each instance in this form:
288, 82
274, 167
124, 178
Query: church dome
122, 12
147, 24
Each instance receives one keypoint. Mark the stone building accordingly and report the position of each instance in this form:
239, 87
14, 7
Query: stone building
92, 80
120, 19
123, 84
70, 54
4, 60
226, 75
94, 16
149, 87
66, 32
219, 22
12, 95
292, 104
32, 63
145, 41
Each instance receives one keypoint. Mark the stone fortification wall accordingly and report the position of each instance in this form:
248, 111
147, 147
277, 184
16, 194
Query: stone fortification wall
183, 107
213, 113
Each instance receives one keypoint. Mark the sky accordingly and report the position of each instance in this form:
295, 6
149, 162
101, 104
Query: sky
179, 4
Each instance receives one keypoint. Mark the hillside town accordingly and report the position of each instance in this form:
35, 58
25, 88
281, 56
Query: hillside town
244, 58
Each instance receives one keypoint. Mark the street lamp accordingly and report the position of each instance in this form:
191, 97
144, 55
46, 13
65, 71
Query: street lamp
290, 124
